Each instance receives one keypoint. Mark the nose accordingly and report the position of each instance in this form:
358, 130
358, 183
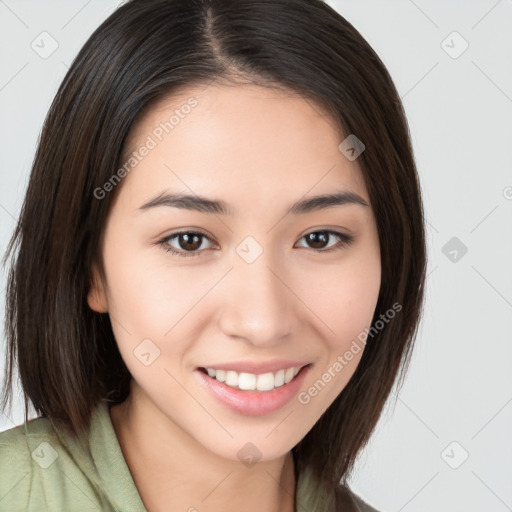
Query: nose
258, 304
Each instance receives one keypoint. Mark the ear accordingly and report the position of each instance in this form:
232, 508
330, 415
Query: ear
96, 296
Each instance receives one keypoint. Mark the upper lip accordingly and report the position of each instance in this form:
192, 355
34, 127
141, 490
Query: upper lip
257, 368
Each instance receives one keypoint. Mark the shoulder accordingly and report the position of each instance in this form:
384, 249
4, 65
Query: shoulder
361, 505
313, 495
38, 472
347, 500
20, 446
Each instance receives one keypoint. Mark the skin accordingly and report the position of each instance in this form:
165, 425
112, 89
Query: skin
260, 150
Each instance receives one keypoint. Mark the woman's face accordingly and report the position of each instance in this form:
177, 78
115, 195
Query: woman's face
255, 284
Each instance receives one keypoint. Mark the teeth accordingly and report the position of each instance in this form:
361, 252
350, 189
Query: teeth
252, 382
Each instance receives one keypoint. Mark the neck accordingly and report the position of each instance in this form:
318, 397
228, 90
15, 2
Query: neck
162, 458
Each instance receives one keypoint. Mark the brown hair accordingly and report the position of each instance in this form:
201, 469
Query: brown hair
67, 354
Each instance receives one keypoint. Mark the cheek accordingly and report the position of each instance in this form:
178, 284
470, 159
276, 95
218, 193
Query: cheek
344, 299
345, 302
144, 291
151, 299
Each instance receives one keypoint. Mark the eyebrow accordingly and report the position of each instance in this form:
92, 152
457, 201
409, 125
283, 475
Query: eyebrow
211, 206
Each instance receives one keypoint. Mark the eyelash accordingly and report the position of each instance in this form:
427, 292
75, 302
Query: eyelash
344, 241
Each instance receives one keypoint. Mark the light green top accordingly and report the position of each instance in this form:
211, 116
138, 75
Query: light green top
43, 469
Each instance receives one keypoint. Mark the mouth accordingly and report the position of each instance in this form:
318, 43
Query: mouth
253, 394
246, 381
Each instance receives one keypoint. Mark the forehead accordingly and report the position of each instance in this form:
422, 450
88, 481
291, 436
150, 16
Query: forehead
239, 142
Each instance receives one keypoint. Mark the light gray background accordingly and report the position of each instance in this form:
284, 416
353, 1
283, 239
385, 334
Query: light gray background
459, 388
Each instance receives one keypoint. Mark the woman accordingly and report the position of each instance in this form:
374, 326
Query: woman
220, 266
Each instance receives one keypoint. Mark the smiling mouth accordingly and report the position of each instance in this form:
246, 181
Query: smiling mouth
254, 382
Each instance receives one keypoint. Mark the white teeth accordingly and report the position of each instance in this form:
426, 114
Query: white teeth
265, 382
231, 378
279, 378
247, 381
288, 376
251, 381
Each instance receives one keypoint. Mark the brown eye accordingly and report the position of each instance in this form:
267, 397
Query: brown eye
318, 240
188, 242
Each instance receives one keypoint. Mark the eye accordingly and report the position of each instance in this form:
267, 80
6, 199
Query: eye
318, 239
190, 243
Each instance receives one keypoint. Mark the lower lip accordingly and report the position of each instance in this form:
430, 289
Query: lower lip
254, 403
